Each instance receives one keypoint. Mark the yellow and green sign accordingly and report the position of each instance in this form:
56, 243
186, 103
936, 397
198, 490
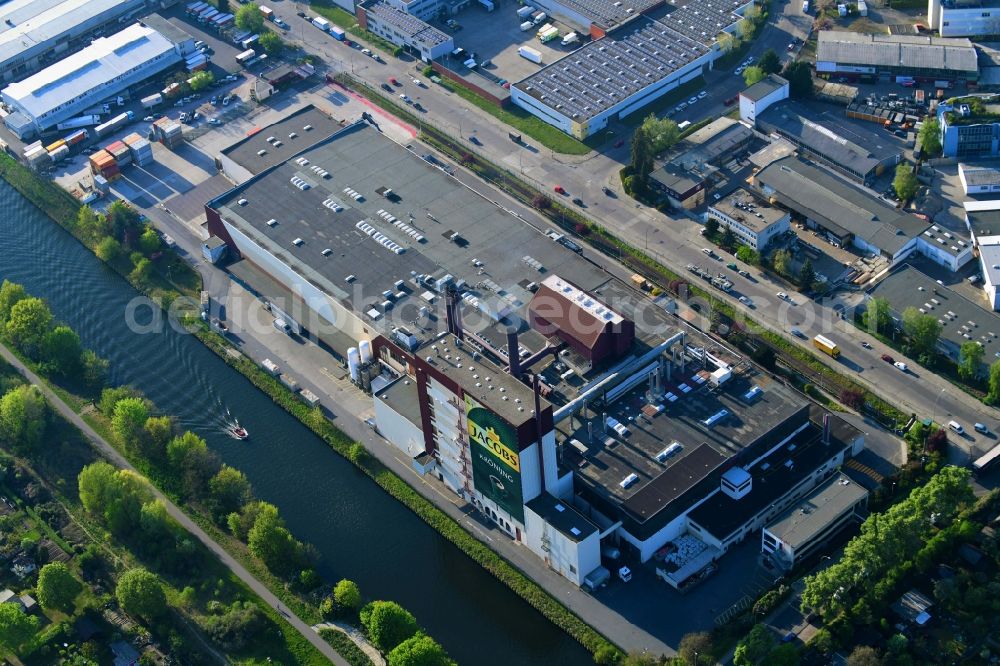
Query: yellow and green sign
496, 465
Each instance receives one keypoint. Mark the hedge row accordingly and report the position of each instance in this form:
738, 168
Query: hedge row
506, 572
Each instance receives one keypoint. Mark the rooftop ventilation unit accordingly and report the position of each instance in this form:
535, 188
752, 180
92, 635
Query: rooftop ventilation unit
628, 480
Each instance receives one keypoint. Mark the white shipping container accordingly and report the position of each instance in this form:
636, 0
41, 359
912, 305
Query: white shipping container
529, 53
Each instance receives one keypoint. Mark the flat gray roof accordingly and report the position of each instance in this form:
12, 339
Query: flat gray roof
946, 241
983, 217
898, 51
609, 13
456, 225
978, 175
402, 396
813, 513
603, 73
961, 320
989, 258
172, 30
561, 515
764, 87
711, 142
728, 206
245, 152
837, 204
801, 124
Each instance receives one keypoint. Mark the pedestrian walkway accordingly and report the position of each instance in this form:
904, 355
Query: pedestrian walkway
357, 637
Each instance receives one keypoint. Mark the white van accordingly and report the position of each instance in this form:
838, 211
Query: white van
957, 427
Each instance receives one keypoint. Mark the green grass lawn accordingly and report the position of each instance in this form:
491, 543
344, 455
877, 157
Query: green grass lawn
334, 15
667, 102
549, 136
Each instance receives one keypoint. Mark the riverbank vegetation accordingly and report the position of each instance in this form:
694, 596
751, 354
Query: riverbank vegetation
109, 568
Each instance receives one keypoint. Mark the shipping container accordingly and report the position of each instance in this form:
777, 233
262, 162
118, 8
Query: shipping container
267, 12
245, 57
525, 12
80, 121
152, 100
55, 144
531, 54
76, 137
207, 16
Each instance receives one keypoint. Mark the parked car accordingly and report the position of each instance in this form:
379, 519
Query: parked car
703, 94
418, 83
866, 344
797, 333
888, 359
900, 365
394, 81
387, 87
746, 301
578, 201
559, 190
981, 427
782, 295
693, 100
406, 99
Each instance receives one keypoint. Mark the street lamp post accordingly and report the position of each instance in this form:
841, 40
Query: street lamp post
936, 401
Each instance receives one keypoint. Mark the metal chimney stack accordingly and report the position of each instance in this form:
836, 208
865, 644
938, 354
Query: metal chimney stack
514, 354
826, 428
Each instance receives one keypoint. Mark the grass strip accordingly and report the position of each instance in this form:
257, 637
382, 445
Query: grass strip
345, 647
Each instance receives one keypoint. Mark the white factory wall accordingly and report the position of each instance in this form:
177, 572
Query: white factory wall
750, 109
332, 312
572, 559
970, 21
938, 255
402, 433
233, 171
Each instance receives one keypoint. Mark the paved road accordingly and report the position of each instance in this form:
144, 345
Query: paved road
673, 240
116, 458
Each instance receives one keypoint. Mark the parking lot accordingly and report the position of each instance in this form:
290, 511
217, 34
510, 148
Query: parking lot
495, 36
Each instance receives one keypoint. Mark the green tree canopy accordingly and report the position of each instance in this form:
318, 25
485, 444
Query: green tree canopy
930, 137
769, 62
271, 541
747, 255
347, 595
727, 42
878, 314
157, 431
970, 356
114, 495
248, 17
696, 648
199, 81
993, 395
149, 241
728, 239
755, 647
387, 624
807, 275
271, 42
62, 351
57, 587
128, 419
30, 319
864, 655
800, 82
661, 133
10, 293
753, 74
746, 29
108, 249
782, 261
15, 626
230, 489
922, 330
711, 227
140, 593
23, 417
642, 154
905, 183
419, 650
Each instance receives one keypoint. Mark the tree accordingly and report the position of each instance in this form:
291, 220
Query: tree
156, 432
642, 155
149, 241
62, 351
864, 655
753, 74
116, 496
711, 227
728, 42
799, 75
241, 523
10, 293
970, 355
419, 650
747, 255
922, 330
930, 137
143, 269
94, 369
769, 62
271, 541
271, 42
755, 647
57, 587
140, 593
30, 319
110, 397
807, 275
200, 81
661, 133
993, 395
108, 249
728, 239
387, 624
23, 417
878, 315
347, 595
127, 420
782, 261
905, 183
696, 648
15, 626
853, 398
249, 18
754, 14
783, 655
229, 489
746, 29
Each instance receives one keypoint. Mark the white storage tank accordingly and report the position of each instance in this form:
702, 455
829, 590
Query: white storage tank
365, 349
353, 361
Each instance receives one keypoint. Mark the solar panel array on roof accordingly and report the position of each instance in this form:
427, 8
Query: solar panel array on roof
605, 72
408, 24
607, 13
704, 19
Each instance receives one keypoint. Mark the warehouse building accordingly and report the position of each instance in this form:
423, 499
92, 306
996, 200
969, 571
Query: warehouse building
964, 18
820, 142
612, 77
848, 215
811, 523
704, 20
901, 57
961, 320
753, 221
403, 29
760, 96
516, 383
75, 84
979, 179
599, 16
983, 220
35, 33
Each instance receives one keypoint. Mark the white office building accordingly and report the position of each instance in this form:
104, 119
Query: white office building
754, 222
979, 179
758, 97
34, 33
964, 18
77, 83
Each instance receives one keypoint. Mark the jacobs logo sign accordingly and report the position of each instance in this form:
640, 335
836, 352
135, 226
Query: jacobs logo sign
496, 465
